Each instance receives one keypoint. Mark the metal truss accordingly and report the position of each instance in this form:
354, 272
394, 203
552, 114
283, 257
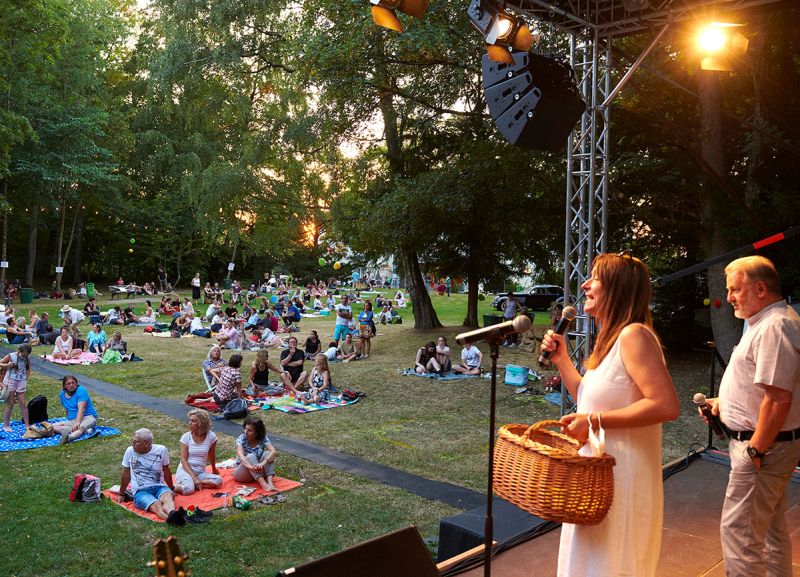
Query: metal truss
592, 25
587, 181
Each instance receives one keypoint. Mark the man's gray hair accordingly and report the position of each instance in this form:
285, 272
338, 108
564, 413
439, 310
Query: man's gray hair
143, 435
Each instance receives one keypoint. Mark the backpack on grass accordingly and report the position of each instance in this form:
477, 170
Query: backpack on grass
37, 409
85, 488
235, 409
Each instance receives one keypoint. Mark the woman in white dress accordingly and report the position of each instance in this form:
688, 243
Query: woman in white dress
626, 388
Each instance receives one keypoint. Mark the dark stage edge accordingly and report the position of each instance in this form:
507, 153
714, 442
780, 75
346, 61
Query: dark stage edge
690, 545
440, 491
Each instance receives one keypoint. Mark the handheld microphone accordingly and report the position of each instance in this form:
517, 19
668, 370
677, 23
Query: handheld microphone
713, 420
567, 316
520, 324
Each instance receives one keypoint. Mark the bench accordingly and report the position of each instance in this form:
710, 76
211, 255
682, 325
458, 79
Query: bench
119, 291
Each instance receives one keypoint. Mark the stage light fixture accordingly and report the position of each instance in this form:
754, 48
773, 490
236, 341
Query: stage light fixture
501, 30
384, 12
718, 43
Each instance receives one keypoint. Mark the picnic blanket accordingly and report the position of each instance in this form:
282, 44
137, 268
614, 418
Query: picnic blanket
205, 499
84, 359
287, 404
13, 441
206, 401
448, 376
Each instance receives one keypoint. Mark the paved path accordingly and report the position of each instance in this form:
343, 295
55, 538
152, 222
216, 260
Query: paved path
429, 489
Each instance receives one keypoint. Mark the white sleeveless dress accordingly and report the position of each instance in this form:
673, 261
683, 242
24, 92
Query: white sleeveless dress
628, 541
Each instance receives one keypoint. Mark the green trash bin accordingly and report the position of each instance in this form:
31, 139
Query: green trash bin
90, 290
26, 296
227, 284
489, 320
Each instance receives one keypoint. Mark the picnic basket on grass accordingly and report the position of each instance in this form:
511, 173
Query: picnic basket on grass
541, 472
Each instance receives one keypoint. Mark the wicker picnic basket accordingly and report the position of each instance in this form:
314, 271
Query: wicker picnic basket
541, 472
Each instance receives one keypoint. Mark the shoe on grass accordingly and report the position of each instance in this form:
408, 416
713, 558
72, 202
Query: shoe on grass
267, 500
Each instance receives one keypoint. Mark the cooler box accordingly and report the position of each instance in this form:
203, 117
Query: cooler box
516, 376
324, 312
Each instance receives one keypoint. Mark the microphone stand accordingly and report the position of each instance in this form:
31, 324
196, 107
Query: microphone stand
488, 528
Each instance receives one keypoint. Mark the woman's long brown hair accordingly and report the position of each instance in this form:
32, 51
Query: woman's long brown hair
626, 283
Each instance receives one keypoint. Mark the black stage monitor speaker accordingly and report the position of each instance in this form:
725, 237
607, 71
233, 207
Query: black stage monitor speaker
534, 102
398, 554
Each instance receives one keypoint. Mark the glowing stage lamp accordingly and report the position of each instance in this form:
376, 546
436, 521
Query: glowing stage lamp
501, 31
718, 44
384, 12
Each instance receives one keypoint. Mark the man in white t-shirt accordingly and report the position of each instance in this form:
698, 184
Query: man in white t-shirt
344, 314
471, 359
145, 468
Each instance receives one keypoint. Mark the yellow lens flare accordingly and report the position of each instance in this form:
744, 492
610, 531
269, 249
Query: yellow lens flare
712, 39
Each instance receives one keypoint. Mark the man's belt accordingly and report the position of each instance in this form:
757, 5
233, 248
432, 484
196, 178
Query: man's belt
782, 437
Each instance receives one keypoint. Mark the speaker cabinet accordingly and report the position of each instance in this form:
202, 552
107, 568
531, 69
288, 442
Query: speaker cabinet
534, 102
398, 554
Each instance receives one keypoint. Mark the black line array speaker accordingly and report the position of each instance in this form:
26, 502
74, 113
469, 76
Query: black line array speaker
534, 102
398, 554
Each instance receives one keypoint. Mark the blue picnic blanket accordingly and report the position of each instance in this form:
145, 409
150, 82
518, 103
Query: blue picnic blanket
13, 441
448, 376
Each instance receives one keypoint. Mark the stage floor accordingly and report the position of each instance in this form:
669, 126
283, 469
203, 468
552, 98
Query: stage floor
690, 546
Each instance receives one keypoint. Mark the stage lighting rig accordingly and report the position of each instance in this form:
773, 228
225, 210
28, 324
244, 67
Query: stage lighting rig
719, 43
501, 31
384, 12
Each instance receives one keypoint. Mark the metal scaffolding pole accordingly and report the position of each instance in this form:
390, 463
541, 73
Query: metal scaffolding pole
587, 184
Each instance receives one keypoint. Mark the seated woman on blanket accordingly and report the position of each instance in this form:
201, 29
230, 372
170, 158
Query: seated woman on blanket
117, 343
348, 350
443, 354
259, 371
426, 359
97, 339
17, 334
255, 455
312, 346
64, 348
147, 316
227, 337
198, 448
320, 386
81, 414
208, 293
186, 306
213, 360
148, 289
229, 385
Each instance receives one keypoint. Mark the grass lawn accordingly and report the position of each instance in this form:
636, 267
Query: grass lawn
434, 429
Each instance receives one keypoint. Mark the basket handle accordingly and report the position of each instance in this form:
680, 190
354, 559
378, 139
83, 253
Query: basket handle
540, 425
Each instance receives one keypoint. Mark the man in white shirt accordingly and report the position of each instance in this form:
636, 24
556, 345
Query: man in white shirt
471, 359
344, 314
759, 401
145, 467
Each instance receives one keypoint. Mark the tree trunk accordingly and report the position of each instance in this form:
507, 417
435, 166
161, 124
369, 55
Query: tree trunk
727, 329
5, 236
77, 262
33, 235
472, 301
60, 243
425, 316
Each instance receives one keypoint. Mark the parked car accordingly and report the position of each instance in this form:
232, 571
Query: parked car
537, 298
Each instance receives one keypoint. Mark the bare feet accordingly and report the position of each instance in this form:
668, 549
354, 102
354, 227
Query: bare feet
6, 429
